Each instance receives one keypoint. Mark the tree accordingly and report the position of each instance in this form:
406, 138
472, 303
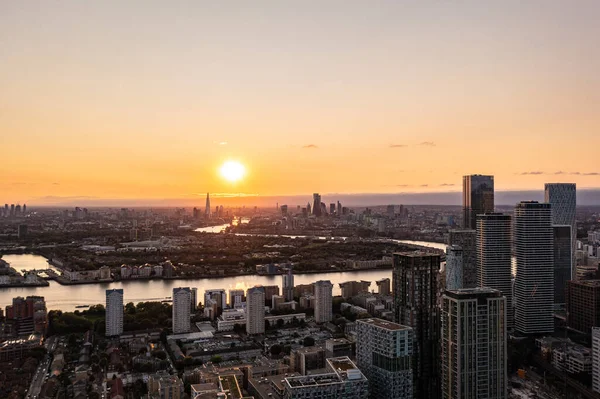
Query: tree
309, 341
216, 359
280, 323
276, 350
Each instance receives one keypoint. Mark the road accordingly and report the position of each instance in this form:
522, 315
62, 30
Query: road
40, 374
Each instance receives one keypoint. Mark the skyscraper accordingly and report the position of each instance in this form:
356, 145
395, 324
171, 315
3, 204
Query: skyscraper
383, 353
182, 299
323, 301
478, 197
534, 283
473, 344
219, 295
194, 299
467, 241
494, 257
316, 204
287, 282
454, 267
255, 311
236, 297
114, 312
563, 261
207, 208
596, 359
563, 199
339, 208
415, 297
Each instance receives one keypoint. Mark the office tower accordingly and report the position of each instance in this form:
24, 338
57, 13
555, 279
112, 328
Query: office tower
182, 298
6, 211
383, 353
596, 359
383, 286
467, 241
22, 231
114, 312
12, 210
18, 210
236, 298
219, 295
207, 207
308, 209
323, 301
563, 199
583, 305
414, 278
494, 257
390, 209
454, 267
342, 380
284, 210
332, 208
478, 198
473, 344
194, 299
339, 208
287, 282
316, 204
24, 209
534, 283
563, 261
255, 311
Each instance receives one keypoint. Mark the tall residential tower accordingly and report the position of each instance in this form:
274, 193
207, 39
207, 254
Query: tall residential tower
182, 301
478, 197
114, 312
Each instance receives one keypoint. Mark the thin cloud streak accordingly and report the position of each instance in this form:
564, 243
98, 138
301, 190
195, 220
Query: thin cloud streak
310, 146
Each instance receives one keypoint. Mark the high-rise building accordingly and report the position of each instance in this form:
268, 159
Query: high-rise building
494, 257
383, 286
236, 298
596, 359
383, 353
473, 344
467, 241
114, 312
583, 305
194, 299
219, 295
563, 262
255, 311
415, 298
308, 209
353, 288
284, 210
287, 282
207, 207
563, 199
534, 283
454, 267
182, 299
332, 208
323, 301
339, 208
24, 209
478, 198
316, 204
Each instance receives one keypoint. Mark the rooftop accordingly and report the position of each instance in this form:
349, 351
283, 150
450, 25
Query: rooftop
468, 293
416, 254
587, 283
388, 325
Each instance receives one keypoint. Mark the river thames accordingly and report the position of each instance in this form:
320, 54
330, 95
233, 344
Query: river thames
67, 297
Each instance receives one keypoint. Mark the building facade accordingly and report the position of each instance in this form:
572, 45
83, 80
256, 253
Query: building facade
255, 311
323, 301
596, 359
182, 299
287, 283
494, 257
478, 198
583, 305
114, 312
563, 260
534, 282
383, 353
473, 344
467, 241
415, 299
454, 267
563, 199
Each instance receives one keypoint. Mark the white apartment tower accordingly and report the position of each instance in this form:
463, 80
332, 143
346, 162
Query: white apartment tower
534, 283
287, 283
323, 301
494, 257
255, 310
383, 353
473, 344
114, 312
182, 300
454, 267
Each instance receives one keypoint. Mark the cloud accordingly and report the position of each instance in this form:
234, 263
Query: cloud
428, 144
424, 185
591, 174
447, 184
56, 184
310, 146
403, 185
398, 145
531, 173
560, 172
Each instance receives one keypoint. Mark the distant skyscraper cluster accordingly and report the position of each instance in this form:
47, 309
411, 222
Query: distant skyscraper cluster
13, 211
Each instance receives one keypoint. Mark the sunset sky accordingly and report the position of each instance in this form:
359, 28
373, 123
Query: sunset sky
147, 99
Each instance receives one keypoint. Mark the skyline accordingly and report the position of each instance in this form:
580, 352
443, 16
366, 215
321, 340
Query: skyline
147, 101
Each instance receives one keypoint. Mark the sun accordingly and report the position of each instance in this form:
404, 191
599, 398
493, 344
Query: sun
232, 171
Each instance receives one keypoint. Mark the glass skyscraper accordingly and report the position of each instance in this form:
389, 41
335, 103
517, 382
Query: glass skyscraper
478, 198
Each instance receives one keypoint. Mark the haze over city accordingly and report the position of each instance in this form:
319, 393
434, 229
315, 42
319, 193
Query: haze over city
147, 100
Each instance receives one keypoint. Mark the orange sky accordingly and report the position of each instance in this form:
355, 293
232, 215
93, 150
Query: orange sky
134, 100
